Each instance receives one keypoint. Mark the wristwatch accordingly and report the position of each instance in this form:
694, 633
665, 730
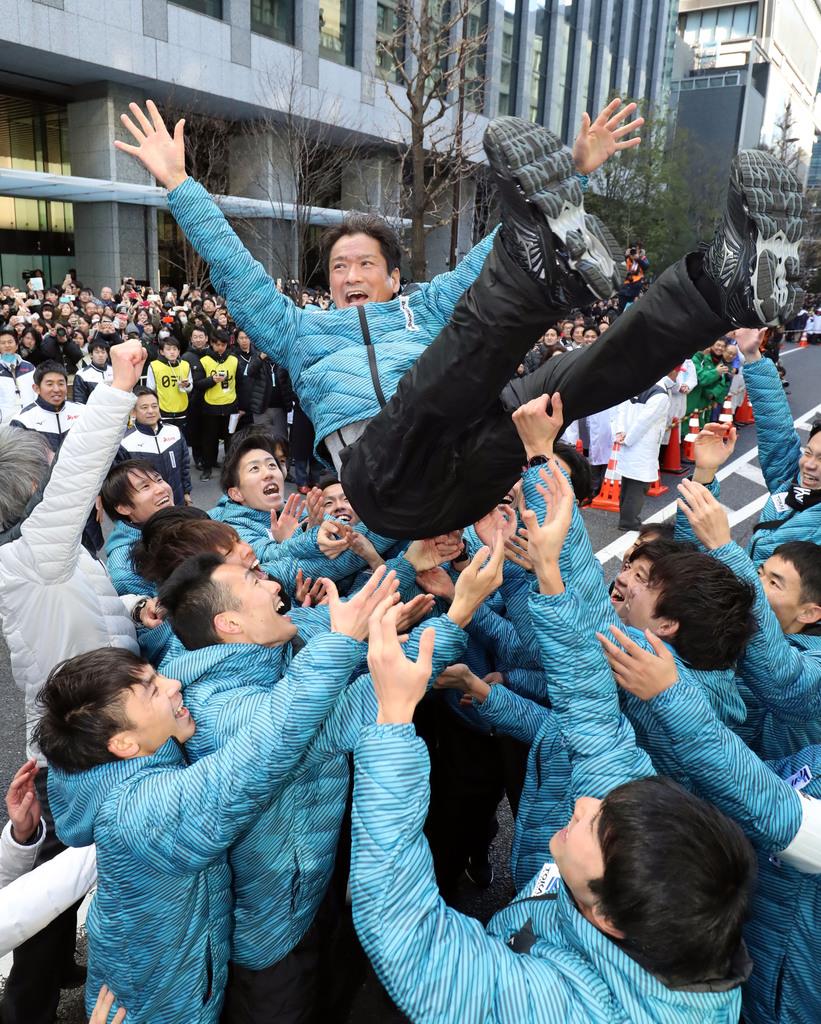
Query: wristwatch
137, 611
536, 460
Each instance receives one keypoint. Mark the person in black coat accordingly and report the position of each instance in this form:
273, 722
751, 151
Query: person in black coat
254, 384
58, 346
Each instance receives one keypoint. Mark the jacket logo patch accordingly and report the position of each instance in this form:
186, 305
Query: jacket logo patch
407, 312
547, 881
801, 779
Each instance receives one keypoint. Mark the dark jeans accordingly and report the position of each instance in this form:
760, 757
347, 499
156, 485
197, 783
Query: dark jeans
214, 430
631, 500
33, 986
444, 450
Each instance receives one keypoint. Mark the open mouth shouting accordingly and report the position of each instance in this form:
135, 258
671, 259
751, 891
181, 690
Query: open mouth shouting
356, 297
182, 711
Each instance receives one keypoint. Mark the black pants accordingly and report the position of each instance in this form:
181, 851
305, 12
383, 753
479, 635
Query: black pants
33, 986
444, 450
179, 419
631, 500
214, 430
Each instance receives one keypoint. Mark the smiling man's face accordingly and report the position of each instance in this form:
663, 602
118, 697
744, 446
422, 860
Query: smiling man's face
259, 614
358, 272
261, 483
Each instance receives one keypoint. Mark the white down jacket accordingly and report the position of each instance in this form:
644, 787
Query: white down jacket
55, 599
642, 420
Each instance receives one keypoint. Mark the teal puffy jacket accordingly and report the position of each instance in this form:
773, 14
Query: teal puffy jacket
159, 925
324, 351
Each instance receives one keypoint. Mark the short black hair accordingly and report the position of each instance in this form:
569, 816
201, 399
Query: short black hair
327, 480
172, 535
83, 706
677, 881
815, 426
117, 489
244, 441
713, 607
662, 531
191, 598
170, 340
363, 224
140, 391
49, 366
581, 476
805, 558
8, 332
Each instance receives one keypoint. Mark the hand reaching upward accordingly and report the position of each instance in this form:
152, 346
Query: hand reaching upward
162, 154
598, 140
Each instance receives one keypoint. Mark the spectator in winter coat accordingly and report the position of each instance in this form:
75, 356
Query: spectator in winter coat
254, 384
170, 377
16, 378
98, 371
58, 347
713, 376
218, 388
50, 414
160, 443
639, 425
813, 328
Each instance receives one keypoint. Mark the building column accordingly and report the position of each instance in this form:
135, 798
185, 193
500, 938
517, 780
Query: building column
111, 240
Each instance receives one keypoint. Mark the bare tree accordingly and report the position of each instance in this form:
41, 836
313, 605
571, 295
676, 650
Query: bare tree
785, 140
300, 151
207, 141
435, 55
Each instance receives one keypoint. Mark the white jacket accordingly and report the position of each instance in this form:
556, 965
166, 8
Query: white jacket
642, 421
29, 900
678, 400
55, 599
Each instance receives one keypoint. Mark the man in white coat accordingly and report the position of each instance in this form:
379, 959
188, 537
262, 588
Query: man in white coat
639, 425
56, 601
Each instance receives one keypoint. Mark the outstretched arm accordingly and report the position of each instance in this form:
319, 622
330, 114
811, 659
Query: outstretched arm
270, 319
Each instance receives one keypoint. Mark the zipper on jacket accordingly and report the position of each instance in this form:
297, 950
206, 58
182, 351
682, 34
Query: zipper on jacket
366, 336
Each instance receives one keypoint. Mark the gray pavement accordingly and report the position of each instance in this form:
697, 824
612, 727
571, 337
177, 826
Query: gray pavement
741, 491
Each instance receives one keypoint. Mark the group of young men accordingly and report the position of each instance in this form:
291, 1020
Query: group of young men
251, 711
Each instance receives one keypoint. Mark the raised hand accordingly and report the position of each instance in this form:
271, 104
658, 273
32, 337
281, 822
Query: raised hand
538, 423
598, 140
412, 613
517, 551
459, 677
333, 538
637, 670
161, 154
286, 523
712, 447
430, 553
437, 582
399, 683
477, 582
102, 1008
152, 614
360, 545
127, 360
748, 341
502, 519
22, 804
351, 617
313, 502
707, 516
545, 541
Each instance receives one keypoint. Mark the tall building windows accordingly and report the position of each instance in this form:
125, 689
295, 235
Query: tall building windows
615, 44
509, 75
336, 30
635, 38
594, 49
717, 24
274, 18
565, 22
390, 47
476, 66
213, 8
539, 17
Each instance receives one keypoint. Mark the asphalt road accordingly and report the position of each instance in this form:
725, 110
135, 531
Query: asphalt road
742, 492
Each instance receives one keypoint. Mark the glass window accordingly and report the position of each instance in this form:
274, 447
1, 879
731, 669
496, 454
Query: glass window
541, 20
476, 66
390, 47
336, 30
593, 50
274, 18
615, 44
213, 8
638, 16
565, 22
510, 56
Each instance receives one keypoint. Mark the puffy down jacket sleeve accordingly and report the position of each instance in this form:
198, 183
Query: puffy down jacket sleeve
779, 447
600, 740
194, 814
512, 714
437, 965
54, 528
270, 319
445, 290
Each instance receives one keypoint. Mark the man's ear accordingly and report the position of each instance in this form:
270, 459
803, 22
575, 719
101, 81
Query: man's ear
235, 494
123, 745
603, 923
227, 624
666, 628
809, 613
124, 510
396, 280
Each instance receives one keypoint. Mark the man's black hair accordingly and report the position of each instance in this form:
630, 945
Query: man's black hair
363, 224
805, 558
581, 476
244, 441
174, 534
83, 706
663, 531
117, 489
713, 607
49, 366
220, 335
815, 426
191, 598
140, 390
677, 880
327, 480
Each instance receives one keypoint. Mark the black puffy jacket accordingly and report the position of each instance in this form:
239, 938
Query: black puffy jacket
253, 380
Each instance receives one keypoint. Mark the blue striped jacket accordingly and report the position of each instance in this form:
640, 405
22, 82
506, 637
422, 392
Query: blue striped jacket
283, 863
324, 351
123, 575
782, 933
438, 965
159, 925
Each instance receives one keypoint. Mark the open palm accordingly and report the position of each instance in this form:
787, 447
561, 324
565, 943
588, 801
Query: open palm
598, 140
161, 154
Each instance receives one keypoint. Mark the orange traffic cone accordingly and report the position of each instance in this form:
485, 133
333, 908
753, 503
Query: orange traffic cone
657, 488
726, 412
744, 413
671, 453
608, 497
688, 452
803, 343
